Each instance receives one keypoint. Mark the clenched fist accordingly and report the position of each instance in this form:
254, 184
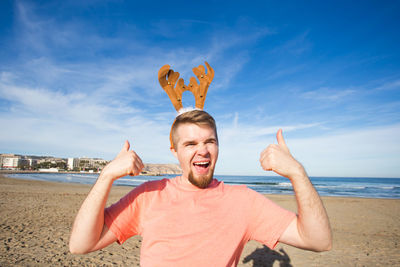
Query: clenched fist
127, 162
277, 158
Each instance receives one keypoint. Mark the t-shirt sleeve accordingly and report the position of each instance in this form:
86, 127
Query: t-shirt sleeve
123, 217
268, 221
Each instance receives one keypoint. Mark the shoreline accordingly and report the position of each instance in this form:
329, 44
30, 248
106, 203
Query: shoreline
36, 219
288, 193
5, 172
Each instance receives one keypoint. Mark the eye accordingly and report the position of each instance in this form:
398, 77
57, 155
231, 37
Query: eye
189, 144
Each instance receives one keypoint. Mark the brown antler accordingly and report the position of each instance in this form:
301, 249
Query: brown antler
200, 91
168, 77
169, 85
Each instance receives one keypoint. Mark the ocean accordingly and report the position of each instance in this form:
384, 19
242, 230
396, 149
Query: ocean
326, 186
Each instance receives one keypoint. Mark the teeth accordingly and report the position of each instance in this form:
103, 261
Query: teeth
201, 163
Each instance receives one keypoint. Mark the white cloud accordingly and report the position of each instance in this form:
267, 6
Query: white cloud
390, 85
364, 152
328, 94
44, 40
295, 46
368, 152
41, 121
241, 144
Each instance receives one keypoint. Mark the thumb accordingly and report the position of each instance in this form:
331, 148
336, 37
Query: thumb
280, 139
126, 146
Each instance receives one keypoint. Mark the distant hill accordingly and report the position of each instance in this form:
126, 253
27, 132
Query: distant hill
160, 169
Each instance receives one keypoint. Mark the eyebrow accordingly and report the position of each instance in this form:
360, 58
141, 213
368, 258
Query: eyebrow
195, 142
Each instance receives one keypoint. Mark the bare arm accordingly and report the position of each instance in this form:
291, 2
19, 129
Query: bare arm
311, 229
89, 233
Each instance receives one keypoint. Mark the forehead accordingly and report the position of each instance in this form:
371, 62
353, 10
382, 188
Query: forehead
190, 131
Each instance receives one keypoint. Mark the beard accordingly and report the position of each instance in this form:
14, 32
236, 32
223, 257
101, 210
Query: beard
201, 181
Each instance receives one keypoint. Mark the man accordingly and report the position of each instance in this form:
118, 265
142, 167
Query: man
195, 220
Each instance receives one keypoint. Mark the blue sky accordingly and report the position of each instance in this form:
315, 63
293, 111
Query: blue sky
77, 78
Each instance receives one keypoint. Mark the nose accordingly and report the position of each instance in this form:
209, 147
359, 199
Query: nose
202, 150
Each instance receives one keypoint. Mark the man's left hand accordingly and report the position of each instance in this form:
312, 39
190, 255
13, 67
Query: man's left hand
277, 158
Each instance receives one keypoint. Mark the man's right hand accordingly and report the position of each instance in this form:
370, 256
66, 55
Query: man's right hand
89, 233
127, 162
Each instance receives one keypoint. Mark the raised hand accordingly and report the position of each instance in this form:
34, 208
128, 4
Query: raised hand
127, 162
277, 158
89, 232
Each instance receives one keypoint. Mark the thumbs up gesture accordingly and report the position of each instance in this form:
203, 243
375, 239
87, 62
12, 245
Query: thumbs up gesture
277, 158
127, 162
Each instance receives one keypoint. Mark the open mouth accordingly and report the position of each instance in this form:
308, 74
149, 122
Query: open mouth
201, 167
203, 164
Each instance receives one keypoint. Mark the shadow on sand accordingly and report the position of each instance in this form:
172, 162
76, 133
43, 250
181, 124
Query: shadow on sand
266, 257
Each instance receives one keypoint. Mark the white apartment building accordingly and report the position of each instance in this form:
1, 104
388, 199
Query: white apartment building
10, 161
72, 163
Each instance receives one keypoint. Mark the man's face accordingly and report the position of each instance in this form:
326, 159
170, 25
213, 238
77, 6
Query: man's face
197, 152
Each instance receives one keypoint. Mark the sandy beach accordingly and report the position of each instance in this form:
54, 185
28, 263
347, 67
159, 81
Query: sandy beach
36, 218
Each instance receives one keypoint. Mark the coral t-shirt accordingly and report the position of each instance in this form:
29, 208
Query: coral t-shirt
182, 225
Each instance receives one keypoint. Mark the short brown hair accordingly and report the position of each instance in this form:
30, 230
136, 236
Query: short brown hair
198, 117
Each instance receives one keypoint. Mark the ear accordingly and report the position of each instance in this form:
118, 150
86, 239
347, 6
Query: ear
173, 151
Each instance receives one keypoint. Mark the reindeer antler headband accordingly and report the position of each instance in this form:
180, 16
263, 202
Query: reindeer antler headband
167, 78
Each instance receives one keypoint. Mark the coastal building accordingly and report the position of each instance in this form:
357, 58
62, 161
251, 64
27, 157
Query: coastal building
10, 161
73, 163
99, 164
42, 163
2, 156
13, 162
96, 164
51, 162
27, 163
